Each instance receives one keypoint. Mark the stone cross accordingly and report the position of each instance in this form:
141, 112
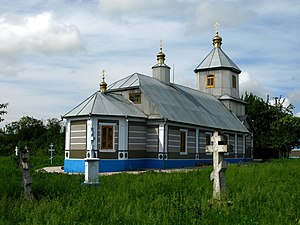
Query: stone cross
218, 148
16, 150
51, 150
25, 169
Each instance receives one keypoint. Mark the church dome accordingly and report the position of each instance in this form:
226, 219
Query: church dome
217, 41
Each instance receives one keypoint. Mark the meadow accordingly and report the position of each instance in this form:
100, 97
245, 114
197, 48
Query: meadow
266, 193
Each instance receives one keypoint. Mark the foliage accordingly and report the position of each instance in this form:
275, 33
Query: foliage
2, 111
257, 193
273, 124
32, 133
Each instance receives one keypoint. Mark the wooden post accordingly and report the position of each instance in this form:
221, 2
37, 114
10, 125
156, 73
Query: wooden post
26, 176
218, 148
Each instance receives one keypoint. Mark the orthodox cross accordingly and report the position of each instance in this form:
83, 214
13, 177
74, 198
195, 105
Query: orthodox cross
16, 150
51, 150
218, 148
217, 25
161, 44
103, 75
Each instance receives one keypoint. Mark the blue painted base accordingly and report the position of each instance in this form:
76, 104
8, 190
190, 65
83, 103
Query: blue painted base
108, 165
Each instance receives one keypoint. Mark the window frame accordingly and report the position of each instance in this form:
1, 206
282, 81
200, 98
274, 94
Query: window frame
183, 146
136, 97
208, 134
233, 81
210, 81
100, 129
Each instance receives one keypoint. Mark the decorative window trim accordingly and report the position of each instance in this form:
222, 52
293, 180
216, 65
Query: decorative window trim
183, 146
210, 81
100, 125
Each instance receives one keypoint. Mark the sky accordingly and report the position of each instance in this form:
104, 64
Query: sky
52, 52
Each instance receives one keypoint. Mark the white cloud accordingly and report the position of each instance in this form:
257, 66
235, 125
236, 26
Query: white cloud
251, 85
228, 14
39, 33
294, 96
153, 7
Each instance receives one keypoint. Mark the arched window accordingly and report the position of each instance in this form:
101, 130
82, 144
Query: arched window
210, 81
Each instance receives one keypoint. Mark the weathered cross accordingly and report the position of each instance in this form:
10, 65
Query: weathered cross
218, 148
51, 150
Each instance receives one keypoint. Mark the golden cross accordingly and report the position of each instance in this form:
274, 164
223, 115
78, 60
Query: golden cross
103, 74
217, 26
161, 44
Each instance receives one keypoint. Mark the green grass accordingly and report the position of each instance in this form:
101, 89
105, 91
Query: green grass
256, 194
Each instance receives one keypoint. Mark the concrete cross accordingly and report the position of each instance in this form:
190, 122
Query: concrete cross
51, 150
218, 148
16, 150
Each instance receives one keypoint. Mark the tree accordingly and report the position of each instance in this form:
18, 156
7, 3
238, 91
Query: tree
286, 134
2, 111
273, 124
32, 133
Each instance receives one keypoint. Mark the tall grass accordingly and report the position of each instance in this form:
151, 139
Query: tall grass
256, 194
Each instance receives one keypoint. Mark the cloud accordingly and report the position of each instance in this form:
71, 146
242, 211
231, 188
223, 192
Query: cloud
251, 85
37, 34
153, 7
294, 96
206, 14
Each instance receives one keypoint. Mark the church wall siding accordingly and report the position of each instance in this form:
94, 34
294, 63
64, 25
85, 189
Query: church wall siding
174, 143
152, 138
137, 139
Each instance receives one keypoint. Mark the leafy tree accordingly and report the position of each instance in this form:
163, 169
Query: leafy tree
273, 124
2, 111
32, 133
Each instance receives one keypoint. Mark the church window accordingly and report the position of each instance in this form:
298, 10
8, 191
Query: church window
210, 81
107, 137
135, 98
183, 141
233, 81
208, 139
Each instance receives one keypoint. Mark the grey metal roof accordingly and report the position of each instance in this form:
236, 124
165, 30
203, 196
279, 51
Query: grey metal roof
127, 82
172, 102
217, 59
106, 104
182, 104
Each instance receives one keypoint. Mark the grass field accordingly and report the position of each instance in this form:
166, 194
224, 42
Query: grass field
266, 193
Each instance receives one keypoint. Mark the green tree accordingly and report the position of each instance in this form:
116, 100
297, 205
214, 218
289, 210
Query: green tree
2, 111
272, 124
55, 134
34, 134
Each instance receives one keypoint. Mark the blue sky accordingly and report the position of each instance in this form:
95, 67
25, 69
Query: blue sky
52, 52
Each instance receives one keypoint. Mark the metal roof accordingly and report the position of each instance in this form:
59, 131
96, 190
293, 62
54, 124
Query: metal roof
172, 102
185, 105
106, 104
217, 59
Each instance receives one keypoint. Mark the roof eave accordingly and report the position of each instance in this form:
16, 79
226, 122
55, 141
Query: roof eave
238, 71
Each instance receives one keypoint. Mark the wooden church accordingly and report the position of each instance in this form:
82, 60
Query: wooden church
143, 122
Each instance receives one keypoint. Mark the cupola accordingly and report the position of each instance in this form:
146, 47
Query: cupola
161, 71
